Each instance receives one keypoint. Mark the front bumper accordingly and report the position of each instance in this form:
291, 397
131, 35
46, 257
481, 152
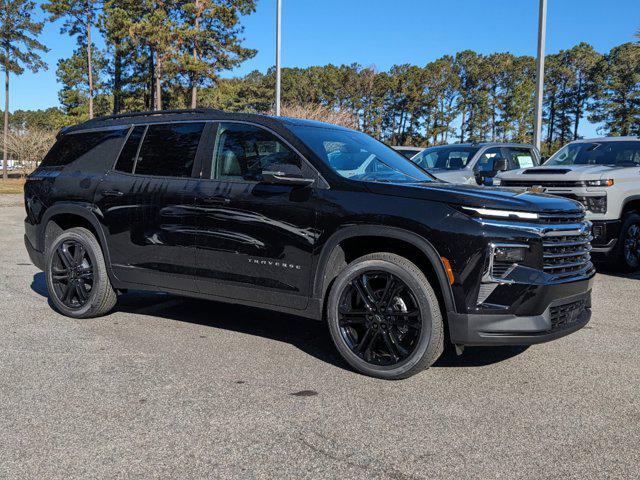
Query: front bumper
605, 235
568, 309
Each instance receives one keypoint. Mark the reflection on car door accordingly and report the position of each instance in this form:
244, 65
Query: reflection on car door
255, 240
146, 203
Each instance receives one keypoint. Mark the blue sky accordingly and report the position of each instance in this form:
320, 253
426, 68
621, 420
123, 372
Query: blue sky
384, 33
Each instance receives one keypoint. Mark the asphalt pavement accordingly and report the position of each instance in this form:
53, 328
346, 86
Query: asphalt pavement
166, 387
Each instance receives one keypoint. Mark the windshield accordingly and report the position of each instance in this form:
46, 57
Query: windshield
358, 156
623, 154
452, 157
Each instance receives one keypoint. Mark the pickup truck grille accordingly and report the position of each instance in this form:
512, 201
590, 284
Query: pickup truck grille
566, 253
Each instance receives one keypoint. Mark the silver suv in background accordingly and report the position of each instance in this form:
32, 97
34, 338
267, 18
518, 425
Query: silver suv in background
476, 163
604, 175
406, 151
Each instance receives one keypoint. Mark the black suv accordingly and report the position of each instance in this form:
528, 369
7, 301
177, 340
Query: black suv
306, 218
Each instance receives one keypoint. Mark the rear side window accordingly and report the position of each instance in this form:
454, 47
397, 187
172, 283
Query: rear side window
169, 149
73, 146
127, 158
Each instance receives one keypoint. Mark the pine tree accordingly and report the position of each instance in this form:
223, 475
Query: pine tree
212, 36
79, 17
19, 50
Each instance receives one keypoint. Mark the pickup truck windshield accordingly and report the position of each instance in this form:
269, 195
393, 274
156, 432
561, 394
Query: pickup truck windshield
619, 153
357, 156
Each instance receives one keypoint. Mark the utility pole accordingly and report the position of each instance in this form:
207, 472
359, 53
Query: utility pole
278, 44
542, 34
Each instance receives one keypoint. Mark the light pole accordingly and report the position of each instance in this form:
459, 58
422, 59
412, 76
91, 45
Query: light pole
278, 42
542, 33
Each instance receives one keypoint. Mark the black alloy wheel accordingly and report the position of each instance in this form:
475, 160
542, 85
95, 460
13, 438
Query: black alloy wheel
72, 274
379, 318
384, 317
76, 275
631, 247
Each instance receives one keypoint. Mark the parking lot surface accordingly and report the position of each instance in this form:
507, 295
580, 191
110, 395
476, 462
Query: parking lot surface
166, 387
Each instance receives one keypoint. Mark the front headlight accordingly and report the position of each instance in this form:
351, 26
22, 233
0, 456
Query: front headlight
491, 213
600, 183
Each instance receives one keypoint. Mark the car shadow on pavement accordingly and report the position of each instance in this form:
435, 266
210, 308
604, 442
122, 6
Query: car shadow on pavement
308, 335
603, 269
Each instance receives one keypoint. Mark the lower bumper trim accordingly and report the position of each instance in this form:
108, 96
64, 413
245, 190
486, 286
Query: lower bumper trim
478, 329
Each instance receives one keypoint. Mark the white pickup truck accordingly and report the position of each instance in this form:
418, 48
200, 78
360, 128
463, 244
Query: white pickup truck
604, 175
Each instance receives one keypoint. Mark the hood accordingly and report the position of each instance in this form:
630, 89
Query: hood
562, 173
475, 196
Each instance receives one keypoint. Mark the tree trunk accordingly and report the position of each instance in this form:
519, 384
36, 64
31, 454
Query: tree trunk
194, 78
158, 75
462, 125
152, 71
90, 69
5, 136
552, 122
117, 77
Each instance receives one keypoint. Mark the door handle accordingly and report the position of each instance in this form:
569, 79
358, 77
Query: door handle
112, 193
216, 200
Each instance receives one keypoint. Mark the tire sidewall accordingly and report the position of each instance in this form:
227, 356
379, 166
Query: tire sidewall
76, 236
632, 219
424, 304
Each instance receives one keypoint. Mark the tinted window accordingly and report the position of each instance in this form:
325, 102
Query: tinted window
72, 146
448, 158
619, 153
357, 156
127, 157
245, 151
521, 157
485, 162
169, 149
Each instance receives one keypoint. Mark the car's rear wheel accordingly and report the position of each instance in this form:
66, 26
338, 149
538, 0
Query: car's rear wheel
76, 275
384, 317
628, 248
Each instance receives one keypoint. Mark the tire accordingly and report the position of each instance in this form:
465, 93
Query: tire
389, 335
76, 275
627, 252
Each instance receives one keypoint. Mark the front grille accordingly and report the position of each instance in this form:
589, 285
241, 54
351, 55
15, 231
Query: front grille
566, 253
563, 316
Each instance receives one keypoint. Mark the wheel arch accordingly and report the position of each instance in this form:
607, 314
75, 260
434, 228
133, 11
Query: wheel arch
631, 204
63, 216
338, 251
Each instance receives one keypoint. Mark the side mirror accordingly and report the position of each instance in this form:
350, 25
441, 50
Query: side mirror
282, 178
500, 165
543, 159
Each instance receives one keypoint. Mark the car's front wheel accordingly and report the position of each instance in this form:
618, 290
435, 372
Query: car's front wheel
628, 249
76, 275
384, 317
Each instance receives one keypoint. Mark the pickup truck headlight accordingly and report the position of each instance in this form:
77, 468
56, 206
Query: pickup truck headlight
600, 183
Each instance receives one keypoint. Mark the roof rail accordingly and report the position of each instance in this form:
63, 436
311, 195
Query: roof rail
155, 112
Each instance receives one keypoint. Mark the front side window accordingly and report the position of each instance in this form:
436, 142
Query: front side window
616, 153
485, 162
73, 146
169, 149
357, 156
445, 158
244, 151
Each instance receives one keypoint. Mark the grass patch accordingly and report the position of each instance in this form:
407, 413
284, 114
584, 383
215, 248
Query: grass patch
12, 185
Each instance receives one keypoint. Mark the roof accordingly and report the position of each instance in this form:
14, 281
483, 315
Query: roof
486, 144
607, 139
197, 114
